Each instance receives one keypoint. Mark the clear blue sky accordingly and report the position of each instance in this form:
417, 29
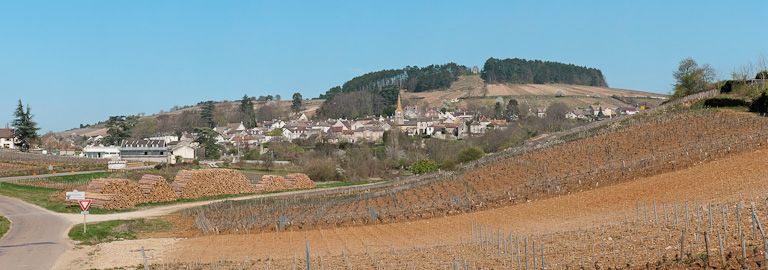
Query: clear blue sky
81, 61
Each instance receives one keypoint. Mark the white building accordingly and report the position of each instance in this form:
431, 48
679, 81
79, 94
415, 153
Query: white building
184, 150
7, 140
100, 151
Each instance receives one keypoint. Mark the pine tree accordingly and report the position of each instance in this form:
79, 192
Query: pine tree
512, 109
207, 114
207, 138
248, 115
119, 129
296, 103
25, 129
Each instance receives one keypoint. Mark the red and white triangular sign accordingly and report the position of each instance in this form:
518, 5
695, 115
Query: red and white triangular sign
84, 204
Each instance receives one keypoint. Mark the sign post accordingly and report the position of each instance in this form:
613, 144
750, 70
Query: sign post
84, 205
75, 195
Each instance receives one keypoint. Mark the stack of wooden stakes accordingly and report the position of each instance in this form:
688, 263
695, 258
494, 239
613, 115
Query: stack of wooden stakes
155, 188
112, 193
210, 182
270, 183
299, 181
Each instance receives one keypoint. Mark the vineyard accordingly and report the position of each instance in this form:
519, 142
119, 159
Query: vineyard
13, 163
659, 235
615, 153
627, 225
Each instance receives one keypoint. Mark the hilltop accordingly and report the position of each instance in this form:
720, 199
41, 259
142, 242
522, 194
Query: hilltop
470, 89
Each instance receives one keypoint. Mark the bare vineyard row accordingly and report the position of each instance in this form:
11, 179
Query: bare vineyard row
660, 235
17, 163
654, 146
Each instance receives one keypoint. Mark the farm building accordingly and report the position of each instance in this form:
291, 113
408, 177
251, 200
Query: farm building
183, 150
145, 150
101, 152
7, 140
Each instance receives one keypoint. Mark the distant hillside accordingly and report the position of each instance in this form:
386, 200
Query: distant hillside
375, 93
540, 72
471, 90
188, 117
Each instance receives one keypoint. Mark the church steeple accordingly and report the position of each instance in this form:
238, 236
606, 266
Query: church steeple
399, 115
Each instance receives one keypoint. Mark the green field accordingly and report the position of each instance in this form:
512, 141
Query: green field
5, 225
116, 230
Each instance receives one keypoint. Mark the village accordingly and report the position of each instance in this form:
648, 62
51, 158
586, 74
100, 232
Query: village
235, 138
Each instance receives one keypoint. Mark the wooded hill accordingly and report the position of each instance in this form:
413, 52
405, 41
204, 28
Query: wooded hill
523, 71
375, 93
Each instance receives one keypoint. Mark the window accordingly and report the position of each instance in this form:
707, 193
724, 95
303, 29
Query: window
145, 153
161, 153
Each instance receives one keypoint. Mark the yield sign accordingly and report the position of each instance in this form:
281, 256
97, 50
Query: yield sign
84, 204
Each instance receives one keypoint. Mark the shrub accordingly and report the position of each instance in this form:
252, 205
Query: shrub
423, 166
724, 102
760, 104
253, 154
321, 169
470, 154
449, 165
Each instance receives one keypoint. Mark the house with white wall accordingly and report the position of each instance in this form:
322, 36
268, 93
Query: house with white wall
7, 139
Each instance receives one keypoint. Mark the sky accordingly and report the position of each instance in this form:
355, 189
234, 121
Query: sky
81, 61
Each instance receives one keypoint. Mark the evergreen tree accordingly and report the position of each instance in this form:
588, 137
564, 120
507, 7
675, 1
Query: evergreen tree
512, 109
25, 129
248, 115
296, 103
207, 114
207, 138
119, 129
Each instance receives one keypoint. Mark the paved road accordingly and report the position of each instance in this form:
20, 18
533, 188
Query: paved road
37, 236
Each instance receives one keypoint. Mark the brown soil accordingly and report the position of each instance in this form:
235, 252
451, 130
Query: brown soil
574, 221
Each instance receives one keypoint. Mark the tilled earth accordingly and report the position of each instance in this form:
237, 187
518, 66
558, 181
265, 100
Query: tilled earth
613, 226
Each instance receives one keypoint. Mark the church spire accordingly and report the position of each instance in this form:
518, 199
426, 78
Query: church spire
399, 105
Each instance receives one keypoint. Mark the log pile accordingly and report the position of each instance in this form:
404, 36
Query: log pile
270, 183
111, 193
209, 182
299, 181
155, 188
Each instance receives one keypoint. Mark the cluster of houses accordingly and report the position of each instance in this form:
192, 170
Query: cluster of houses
407, 120
596, 112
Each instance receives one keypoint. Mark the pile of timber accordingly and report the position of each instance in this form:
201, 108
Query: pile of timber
112, 193
271, 183
299, 181
155, 188
209, 182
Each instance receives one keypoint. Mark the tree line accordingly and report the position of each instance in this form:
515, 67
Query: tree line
375, 93
518, 70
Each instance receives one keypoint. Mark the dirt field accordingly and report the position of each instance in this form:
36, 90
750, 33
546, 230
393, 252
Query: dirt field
471, 88
563, 221
644, 146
